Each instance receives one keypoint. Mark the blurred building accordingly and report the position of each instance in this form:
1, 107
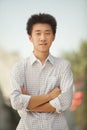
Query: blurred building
6, 62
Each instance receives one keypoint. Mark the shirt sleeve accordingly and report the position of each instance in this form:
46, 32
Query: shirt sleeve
64, 100
19, 101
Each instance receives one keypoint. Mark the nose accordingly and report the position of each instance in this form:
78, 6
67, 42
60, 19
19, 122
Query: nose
43, 37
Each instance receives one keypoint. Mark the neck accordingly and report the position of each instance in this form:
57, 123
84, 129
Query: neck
41, 56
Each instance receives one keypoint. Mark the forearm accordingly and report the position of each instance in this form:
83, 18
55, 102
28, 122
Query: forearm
38, 100
44, 108
42, 99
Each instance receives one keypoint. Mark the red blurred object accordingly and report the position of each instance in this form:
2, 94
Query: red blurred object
77, 100
78, 95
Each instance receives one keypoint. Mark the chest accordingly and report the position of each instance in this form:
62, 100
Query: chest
41, 80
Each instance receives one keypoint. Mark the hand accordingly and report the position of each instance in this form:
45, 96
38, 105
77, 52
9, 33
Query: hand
54, 93
24, 91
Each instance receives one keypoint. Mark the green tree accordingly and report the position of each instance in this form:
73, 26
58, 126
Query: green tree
8, 117
78, 62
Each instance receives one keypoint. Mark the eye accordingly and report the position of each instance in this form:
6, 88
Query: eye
38, 33
47, 33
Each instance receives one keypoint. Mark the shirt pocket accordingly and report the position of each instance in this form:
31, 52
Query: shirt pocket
51, 83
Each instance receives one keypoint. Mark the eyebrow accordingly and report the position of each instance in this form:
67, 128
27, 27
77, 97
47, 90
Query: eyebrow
45, 30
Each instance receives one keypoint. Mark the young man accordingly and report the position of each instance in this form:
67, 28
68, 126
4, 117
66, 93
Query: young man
41, 85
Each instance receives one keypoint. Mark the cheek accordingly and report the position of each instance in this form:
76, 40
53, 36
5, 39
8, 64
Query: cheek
50, 40
34, 40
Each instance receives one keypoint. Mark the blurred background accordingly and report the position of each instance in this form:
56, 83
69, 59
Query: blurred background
70, 43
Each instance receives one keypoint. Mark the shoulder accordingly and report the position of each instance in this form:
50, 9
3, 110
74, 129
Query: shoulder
63, 66
19, 66
61, 62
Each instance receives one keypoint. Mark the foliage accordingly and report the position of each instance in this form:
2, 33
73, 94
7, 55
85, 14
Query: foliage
8, 117
78, 62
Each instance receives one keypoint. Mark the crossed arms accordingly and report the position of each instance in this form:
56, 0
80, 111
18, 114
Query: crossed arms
41, 103
21, 99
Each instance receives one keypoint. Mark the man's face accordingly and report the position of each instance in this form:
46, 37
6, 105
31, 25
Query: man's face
41, 37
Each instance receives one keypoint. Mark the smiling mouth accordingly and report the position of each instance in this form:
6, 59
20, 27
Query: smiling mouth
43, 44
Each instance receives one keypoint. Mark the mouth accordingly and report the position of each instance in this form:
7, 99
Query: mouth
43, 44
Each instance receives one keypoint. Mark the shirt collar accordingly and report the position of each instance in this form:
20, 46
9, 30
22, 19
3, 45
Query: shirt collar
33, 59
50, 59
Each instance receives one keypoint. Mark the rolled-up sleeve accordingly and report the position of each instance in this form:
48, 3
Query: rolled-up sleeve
19, 101
64, 100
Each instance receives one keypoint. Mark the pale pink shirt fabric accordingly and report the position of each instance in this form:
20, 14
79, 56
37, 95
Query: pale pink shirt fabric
40, 79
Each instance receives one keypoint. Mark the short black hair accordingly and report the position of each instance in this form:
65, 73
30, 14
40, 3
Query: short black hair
41, 18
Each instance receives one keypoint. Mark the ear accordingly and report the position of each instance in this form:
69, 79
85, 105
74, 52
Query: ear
30, 37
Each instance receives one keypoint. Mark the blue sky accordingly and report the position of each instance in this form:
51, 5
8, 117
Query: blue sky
70, 14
